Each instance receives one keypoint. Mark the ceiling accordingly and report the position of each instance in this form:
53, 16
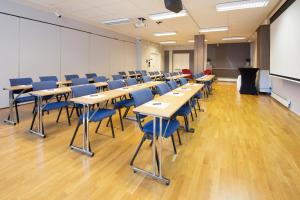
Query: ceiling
202, 14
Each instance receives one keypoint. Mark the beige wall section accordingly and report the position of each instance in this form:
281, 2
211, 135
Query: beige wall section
199, 52
149, 49
253, 50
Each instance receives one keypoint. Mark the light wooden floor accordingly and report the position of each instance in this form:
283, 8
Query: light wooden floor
245, 147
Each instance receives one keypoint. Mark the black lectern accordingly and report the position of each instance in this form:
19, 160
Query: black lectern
248, 76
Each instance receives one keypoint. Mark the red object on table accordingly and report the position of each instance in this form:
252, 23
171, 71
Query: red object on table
207, 72
189, 72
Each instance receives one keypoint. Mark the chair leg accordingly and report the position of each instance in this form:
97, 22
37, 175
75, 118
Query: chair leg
73, 108
198, 104
174, 147
126, 112
112, 127
98, 126
137, 150
195, 112
33, 120
17, 112
59, 113
179, 139
157, 159
68, 115
74, 135
121, 120
192, 115
186, 123
34, 107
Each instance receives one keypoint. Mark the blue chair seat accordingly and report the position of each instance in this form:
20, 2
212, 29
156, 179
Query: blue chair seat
99, 115
198, 95
25, 99
55, 105
173, 126
124, 103
183, 111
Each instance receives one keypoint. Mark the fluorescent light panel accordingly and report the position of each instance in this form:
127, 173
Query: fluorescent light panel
167, 15
213, 29
244, 4
233, 38
116, 21
164, 34
168, 42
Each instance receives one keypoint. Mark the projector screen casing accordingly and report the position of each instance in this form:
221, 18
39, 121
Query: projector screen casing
285, 42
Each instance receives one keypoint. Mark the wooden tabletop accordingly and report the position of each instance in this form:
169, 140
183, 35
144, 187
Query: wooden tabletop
206, 78
60, 90
168, 104
111, 94
177, 76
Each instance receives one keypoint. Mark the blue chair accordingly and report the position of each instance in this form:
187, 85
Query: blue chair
117, 77
100, 79
122, 103
91, 75
19, 98
71, 76
131, 72
183, 81
172, 84
184, 111
48, 106
123, 74
131, 81
166, 75
146, 79
48, 78
95, 115
79, 81
143, 72
169, 126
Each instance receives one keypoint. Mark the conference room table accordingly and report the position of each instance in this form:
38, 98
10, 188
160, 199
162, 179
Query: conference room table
177, 77
51, 92
164, 107
22, 90
90, 100
205, 79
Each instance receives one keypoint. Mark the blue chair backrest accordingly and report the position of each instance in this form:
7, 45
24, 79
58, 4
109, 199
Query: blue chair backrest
20, 81
172, 84
201, 74
131, 81
183, 81
71, 76
151, 73
82, 90
91, 75
156, 73
79, 81
144, 73
141, 96
131, 72
48, 78
180, 73
146, 79
100, 79
122, 73
115, 84
166, 74
117, 77
138, 72
44, 85
163, 88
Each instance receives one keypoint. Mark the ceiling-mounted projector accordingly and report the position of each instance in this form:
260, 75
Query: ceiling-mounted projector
173, 5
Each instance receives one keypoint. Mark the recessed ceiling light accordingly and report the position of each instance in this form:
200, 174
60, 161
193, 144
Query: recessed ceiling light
168, 42
167, 15
213, 29
191, 41
244, 4
205, 40
233, 38
116, 21
164, 34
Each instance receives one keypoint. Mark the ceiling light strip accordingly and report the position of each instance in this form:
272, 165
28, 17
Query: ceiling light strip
213, 29
168, 15
244, 4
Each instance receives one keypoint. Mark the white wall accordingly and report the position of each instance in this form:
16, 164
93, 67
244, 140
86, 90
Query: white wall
31, 49
147, 48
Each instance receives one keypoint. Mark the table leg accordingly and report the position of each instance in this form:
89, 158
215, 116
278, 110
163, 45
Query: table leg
11, 118
40, 129
86, 148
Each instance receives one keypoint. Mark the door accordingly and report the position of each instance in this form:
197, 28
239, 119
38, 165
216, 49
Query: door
181, 61
155, 62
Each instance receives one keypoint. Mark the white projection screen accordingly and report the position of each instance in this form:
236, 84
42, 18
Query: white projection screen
285, 44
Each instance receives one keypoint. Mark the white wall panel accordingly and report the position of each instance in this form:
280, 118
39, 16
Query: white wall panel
8, 54
39, 49
116, 57
99, 55
130, 56
74, 52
